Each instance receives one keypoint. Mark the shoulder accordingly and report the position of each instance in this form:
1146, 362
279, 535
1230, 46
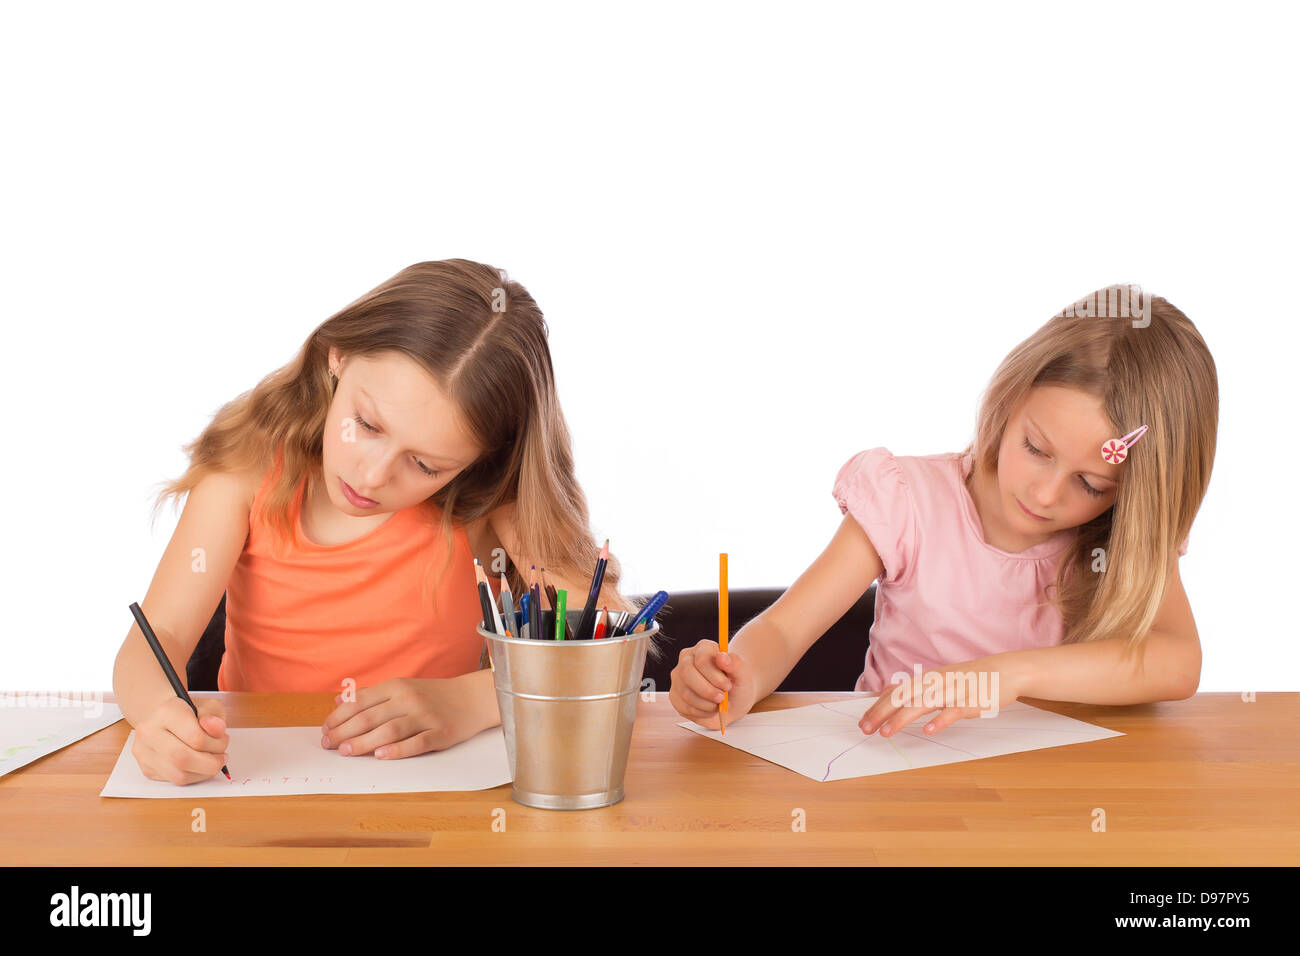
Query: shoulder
868, 470
249, 481
239, 486
873, 487
494, 530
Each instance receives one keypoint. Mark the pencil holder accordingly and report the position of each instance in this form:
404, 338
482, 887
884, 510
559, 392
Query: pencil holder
567, 709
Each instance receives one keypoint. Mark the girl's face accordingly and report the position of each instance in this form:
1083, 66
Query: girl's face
1051, 475
392, 437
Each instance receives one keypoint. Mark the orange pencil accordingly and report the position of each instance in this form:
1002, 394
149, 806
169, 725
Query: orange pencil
722, 630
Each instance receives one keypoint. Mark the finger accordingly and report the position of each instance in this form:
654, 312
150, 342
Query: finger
366, 697
399, 728
945, 719
879, 711
699, 649
707, 666
694, 707
423, 742
175, 754
213, 707
893, 699
360, 723
185, 730
904, 717
700, 705
708, 721
215, 728
949, 716
700, 685
696, 692
413, 746
156, 765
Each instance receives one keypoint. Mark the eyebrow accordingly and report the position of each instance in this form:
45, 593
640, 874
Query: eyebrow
1048, 442
447, 463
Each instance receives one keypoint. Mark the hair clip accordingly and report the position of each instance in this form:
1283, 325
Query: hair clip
1116, 450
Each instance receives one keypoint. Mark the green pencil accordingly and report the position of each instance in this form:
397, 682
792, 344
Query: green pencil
559, 615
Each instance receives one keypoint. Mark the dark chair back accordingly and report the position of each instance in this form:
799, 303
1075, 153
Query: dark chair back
833, 663
201, 669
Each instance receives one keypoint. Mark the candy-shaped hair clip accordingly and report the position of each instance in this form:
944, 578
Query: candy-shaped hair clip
1116, 450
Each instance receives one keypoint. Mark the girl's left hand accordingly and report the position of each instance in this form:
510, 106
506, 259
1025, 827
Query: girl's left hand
403, 717
914, 698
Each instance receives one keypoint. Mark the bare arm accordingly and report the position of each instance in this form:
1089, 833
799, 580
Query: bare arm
774, 641
1166, 667
185, 591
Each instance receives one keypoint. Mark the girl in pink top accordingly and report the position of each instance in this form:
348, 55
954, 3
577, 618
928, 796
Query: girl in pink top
1034, 563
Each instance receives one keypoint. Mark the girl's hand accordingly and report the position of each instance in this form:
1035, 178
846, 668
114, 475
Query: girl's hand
404, 717
174, 745
702, 674
914, 696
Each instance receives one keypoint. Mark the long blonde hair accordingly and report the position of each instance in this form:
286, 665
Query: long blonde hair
1160, 375
484, 340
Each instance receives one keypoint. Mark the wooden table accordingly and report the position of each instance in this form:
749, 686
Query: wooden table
1210, 781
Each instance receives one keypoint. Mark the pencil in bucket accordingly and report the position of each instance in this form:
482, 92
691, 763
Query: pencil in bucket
568, 699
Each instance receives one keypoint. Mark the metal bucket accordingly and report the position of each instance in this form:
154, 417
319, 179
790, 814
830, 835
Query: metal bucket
567, 709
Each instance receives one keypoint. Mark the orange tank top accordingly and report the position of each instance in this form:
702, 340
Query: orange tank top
307, 616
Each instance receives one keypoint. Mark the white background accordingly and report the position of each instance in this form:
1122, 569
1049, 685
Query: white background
764, 236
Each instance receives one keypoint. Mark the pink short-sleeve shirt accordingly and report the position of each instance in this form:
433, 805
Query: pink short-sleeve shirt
945, 595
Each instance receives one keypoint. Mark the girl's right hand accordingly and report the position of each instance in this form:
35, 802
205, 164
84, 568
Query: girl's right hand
703, 673
173, 745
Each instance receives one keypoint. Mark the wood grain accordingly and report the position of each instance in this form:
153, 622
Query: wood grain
1210, 781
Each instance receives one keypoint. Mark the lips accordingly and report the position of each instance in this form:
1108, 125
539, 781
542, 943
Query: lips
358, 500
1030, 513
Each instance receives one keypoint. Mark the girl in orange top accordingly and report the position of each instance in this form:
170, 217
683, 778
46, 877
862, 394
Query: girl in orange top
339, 504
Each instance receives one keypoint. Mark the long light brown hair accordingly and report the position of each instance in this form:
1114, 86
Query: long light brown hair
1160, 375
483, 339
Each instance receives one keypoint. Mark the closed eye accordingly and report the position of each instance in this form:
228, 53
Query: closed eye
371, 428
1083, 481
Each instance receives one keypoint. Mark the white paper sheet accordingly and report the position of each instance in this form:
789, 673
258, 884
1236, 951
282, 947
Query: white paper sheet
33, 725
823, 741
275, 761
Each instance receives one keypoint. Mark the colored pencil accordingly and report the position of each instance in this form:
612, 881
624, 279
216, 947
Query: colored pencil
559, 616
508, 607
485, 599
648, 611
722, 631
554, 599
166, 665
588, 619
616, 624
535, 604
600, 624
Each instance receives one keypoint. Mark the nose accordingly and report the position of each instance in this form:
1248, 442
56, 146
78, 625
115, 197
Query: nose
375, 470
1044, 495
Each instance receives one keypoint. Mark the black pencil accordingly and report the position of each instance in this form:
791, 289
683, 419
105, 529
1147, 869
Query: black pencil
484, 597
587, 622
535, 606
159, 653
